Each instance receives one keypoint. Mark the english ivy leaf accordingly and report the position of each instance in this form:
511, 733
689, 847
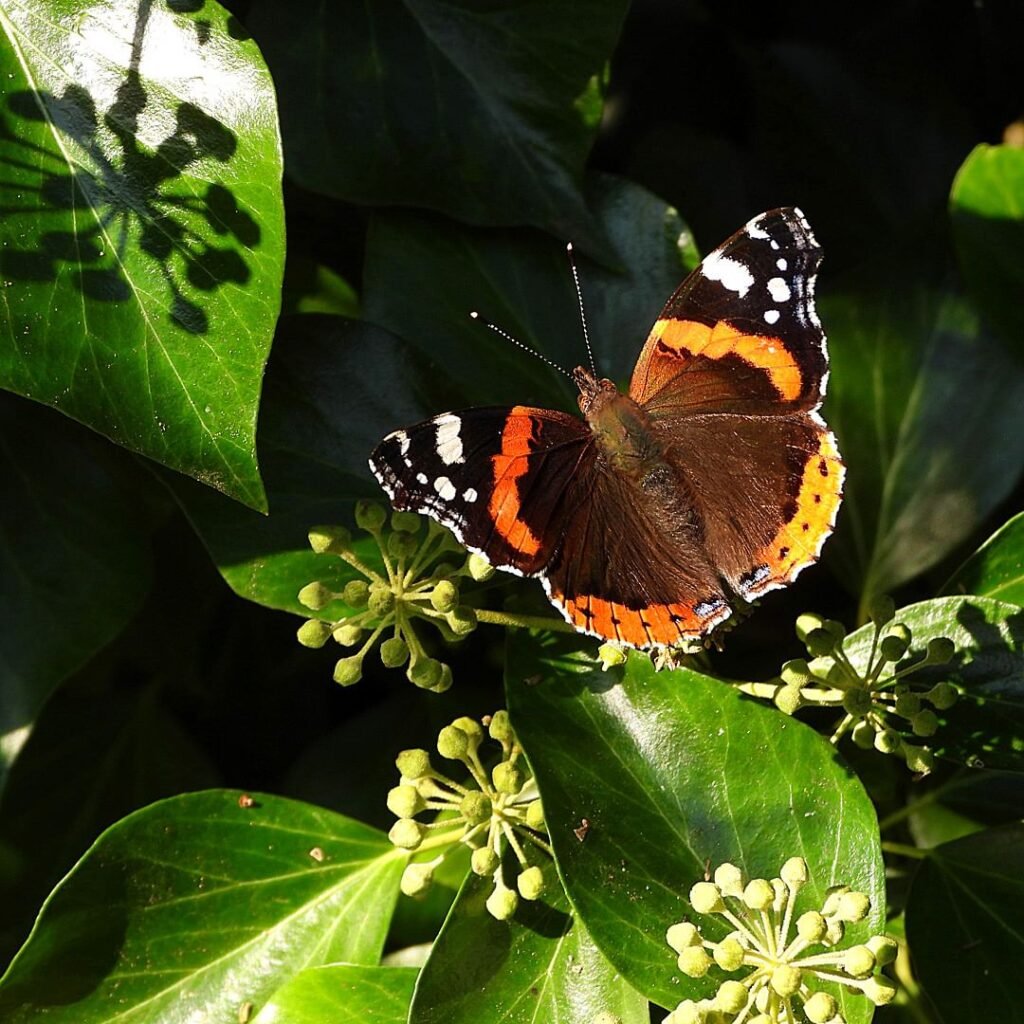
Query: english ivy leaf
75, 558
929, 410
490, 102
142, 229
197, 905
987, 208
964, 911
342, 994
539, 965
996, 569
648, 777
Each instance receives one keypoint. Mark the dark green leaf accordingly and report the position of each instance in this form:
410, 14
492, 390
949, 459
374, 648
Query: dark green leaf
963, 926
647, 776
468, 109
539, 966
996, 569
74, 556
196, 905
142, 229
929, 410
342, 994
967, 803
987, 208
986, 725
424, 276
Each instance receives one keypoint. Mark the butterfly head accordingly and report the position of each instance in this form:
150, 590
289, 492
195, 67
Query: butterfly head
590, 387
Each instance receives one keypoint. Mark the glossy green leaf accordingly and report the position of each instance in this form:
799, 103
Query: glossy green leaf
987, 209
929, 410
964, 918
75, 557
647, 777
196, 905
996, 569
969, 802
342, 994
539, 966
463, 108
985, 728
142, 229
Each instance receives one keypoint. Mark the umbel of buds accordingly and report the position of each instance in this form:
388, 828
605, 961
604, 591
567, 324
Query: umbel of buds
495, 812
417, 583
779, 961
883, 705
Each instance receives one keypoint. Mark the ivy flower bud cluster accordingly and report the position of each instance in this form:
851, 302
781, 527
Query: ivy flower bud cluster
417, 583
496, 813
884, 706
786, 957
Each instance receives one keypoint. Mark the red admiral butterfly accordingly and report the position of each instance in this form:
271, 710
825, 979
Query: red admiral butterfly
713, 478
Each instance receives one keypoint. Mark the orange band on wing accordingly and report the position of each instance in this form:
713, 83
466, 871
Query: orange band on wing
509, 465
657, 624
768, 354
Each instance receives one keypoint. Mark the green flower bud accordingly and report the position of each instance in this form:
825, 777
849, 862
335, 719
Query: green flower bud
381, 601
610, 655
694, 961
475, 807
682, 936
315, 596
821, 668
907, 705
369, 515
445, 596
942, 696
687, 1012
857, 701
807, 623
901, 630
811, 927
402, 545
507, 778
706, 898
424, 672
405, 801
472, 728
413, 764
728, 954
483, 861
925, 723
853, 906
479, 568
348, 634
786, 980
313, 633
502, 903
796, 672
892, 648
940, 650
530, 883
881, 609
394, 652
820, 1008
356, 593
461, 620
444, 680
859, 961
863, 734
781, 891
416, 879
333, 540
794, 872
348, 670
919, 759
729, 879
880, 990
500, 728
406, 522
406, 833
758, 894
836, 628
789, 699
887, 741
835, 932
819, 643
731, 997
535, 815
884, 949
452, 743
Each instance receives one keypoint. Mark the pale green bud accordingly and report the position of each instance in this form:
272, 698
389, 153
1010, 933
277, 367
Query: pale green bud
461, 620
348, 670
863, 734
796, 672
887, 741
530, 883
919, 759
857, 701
405, 801
402, 545
794, 872
694, 961
884, 948
822, 668
820, 1008
729, 954
369, 515
502, 903
445, 596
381, 601
940, 650
789, 699
313, 633
394, 652
786, 980
406, 522
425, 672
942, 696
483, 861
729, 879
406, 833
811, 927
819, 643
881, 609
853, 906
731, 997
333, 540
859, 961
925, 723
413, 764
880, 990
472, 728
836, 628
444, 680
893, 647
835, 933
500, 728
348, 634
315, 596
507, 778
807, 623
475, 807
907, 705
452, 743
682, 936
479, 568
758, 894
535, 815
416, 879
706, 898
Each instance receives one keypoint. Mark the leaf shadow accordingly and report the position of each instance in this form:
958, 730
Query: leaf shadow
113, 194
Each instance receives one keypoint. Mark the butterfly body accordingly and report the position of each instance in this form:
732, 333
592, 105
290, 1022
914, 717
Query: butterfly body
711, 480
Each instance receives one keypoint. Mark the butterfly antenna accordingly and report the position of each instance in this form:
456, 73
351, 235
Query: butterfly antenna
515, 341
579, 299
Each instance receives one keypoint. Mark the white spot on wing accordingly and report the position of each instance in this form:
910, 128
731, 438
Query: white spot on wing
449, 441
779, 289
470, 495
445, 488
421, 477
782, 263
728, 272
754, 230
771, 316
775, 244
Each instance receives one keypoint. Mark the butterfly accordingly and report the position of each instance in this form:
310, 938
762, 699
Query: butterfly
711, 481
